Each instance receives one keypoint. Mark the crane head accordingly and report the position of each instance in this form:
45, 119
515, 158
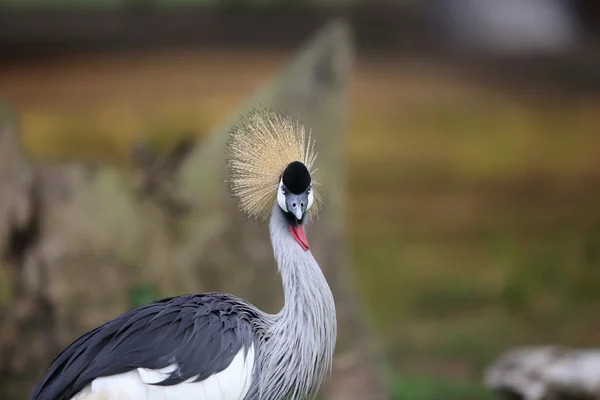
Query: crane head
295, 197
270, 159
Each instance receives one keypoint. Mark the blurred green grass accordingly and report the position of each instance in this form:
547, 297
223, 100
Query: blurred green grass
474, 214
419, 388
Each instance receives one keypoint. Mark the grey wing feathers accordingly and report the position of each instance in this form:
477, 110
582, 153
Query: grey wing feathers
201, 333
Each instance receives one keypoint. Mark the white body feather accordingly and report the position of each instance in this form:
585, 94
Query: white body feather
230, 384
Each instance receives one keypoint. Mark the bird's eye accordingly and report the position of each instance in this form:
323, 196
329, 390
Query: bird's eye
283, 190
309, 190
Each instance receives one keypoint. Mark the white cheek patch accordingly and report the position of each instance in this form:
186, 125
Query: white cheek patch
281, 197
310, 199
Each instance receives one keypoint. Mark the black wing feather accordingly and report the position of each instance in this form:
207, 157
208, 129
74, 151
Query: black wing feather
201, 333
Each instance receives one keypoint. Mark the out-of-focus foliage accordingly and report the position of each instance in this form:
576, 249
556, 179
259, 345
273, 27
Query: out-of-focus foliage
420, 388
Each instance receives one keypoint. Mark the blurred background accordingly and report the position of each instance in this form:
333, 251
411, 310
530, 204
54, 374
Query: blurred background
471, 143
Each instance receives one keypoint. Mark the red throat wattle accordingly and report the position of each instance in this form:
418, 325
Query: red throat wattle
300, 237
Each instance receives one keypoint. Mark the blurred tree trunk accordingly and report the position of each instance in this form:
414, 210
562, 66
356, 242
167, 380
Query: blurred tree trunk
79, 241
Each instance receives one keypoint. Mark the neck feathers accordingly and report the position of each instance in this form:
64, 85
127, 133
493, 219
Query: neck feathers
301, 341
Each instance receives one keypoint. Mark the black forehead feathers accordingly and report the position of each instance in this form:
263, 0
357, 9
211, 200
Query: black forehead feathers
296, 177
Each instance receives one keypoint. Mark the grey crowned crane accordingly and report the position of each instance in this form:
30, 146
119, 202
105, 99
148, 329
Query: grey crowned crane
215, 346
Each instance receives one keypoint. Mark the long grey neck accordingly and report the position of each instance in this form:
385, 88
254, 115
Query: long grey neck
304, 286
301, 339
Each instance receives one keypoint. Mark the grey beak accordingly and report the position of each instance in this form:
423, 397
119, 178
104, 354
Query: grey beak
296, 204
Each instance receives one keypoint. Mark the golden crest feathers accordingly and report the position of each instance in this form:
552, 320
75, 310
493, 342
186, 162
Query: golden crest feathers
258, 152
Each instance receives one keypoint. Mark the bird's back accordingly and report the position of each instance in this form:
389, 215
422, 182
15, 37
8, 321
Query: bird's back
169, 344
